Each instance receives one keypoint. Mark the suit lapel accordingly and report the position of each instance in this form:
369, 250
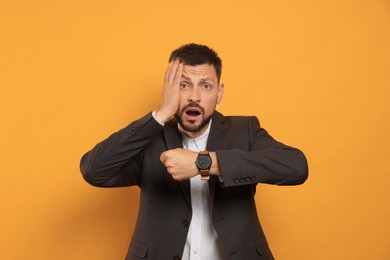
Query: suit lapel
217, 132
173, 140
172, 135
216, 142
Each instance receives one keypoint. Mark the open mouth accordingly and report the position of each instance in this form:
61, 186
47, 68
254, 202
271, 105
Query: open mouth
193, 112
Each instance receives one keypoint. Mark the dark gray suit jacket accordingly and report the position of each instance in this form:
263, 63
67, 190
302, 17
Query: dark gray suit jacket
246, 154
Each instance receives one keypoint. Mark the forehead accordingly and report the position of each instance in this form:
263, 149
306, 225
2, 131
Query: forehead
202, 71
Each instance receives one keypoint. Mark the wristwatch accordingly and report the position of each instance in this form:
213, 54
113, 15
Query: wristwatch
203, 162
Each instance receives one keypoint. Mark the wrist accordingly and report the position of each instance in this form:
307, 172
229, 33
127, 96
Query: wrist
214, 170
161, 117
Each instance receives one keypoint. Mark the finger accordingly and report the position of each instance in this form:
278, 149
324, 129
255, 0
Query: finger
176, 177
179, 73
168, 70
173, 71
163, 157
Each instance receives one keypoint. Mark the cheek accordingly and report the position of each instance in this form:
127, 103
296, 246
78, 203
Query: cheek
183, 100
182, 96
210, 103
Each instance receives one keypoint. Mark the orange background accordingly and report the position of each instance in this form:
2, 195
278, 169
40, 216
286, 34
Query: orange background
316, 73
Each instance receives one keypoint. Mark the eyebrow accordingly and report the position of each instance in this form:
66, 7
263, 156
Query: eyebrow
202, 80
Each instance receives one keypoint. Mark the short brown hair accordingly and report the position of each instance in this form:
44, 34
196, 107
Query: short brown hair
197, 54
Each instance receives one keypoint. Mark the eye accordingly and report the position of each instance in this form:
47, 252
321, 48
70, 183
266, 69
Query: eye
183, 86
206, 86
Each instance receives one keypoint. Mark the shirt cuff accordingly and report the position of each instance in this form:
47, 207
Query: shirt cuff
154, 116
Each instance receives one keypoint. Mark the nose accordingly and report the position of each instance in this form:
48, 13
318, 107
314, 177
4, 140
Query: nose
194, 96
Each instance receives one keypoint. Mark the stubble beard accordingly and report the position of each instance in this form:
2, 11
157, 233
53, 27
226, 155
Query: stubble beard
191, 126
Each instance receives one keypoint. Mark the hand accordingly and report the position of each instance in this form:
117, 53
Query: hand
180, 163
170, 93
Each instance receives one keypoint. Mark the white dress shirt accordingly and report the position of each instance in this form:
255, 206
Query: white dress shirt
202, 239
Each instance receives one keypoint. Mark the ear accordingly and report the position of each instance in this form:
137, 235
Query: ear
221, 89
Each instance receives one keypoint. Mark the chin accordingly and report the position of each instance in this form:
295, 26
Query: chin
190, 127
193, 126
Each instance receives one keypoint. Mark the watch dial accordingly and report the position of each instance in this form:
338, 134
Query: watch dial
204, 162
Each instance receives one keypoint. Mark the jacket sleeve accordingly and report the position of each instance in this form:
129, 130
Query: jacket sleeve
265, 161
116, 161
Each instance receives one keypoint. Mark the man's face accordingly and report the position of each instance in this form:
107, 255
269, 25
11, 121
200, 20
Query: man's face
200, 92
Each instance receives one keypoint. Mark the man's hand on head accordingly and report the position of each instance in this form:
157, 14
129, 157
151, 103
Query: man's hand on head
170, 93
180, 163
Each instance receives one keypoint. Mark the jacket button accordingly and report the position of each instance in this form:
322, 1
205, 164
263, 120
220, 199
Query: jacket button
236, 180
242, 180
185, 223
176, 257
253, 178
247, 179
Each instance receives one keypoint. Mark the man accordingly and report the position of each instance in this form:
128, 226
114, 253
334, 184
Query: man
197, 169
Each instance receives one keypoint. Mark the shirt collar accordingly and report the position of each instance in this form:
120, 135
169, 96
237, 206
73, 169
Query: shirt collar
200, 140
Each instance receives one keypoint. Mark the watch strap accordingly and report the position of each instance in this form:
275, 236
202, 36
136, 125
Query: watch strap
205, 174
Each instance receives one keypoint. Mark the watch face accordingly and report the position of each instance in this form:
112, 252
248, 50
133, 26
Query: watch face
203, 162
